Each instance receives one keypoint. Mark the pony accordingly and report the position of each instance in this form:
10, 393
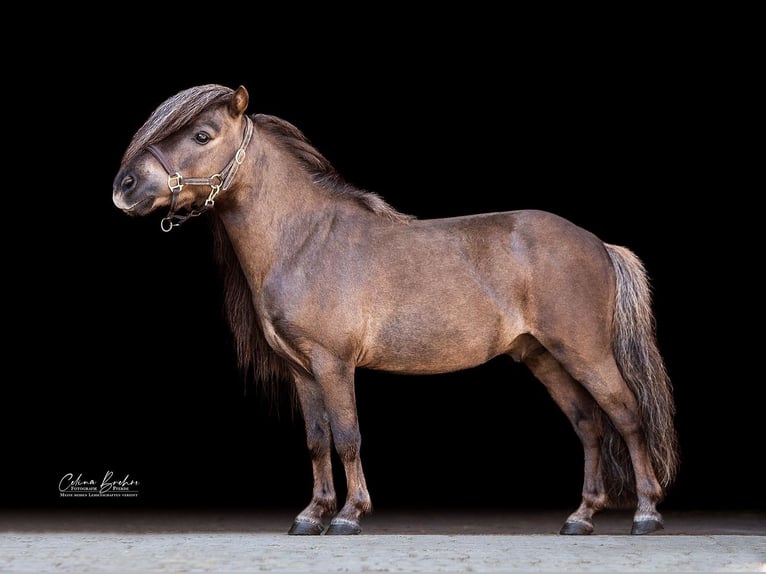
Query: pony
321, 277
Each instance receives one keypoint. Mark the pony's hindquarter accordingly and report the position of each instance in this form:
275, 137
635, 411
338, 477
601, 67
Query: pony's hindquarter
621, 407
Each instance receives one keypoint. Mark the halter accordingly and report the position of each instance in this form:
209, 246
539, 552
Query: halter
217, 182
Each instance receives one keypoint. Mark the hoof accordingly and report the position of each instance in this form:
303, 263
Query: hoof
305, 528
646, 526
342, 526
576, 528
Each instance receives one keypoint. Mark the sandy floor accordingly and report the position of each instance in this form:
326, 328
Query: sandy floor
413, 541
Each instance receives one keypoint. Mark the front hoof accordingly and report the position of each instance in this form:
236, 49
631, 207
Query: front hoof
646, 526
577, 528
306, 528
343, 526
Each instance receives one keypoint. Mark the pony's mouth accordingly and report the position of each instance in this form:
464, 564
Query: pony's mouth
140, 207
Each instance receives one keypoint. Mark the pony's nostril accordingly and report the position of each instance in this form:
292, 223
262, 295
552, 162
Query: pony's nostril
127, 184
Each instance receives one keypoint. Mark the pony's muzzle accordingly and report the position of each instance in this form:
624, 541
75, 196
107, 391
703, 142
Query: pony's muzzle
125, 196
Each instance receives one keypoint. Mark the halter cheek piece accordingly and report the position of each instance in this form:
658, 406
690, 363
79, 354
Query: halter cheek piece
218, 181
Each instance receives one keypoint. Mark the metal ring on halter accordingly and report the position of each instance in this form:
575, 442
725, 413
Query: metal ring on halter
214, 189
167, 224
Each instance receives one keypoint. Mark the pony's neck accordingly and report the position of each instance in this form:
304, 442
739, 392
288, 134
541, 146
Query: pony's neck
273, 209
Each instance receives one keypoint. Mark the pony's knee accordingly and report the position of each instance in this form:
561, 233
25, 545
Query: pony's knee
318, 440
347, 444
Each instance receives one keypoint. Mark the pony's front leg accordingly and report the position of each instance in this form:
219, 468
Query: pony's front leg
337, 379
318, 439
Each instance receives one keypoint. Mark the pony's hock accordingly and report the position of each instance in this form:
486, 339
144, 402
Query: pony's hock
322, 277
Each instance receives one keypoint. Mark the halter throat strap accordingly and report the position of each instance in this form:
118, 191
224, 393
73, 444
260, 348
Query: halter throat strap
218, 181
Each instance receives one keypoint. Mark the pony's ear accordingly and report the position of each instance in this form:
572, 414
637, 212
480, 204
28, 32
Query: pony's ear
239, 101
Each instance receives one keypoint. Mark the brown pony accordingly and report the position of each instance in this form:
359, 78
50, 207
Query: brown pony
322, 277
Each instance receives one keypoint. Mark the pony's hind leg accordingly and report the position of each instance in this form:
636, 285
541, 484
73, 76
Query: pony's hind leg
622, 407
605, 383
581, 410
319, 441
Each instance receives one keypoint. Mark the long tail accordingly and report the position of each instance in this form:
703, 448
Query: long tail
642, 367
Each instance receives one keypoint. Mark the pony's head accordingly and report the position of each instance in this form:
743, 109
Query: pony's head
187, 152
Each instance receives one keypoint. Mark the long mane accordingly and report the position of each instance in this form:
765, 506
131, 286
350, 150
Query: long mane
292, 140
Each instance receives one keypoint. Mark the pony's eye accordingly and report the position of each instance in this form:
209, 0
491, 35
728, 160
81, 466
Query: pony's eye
202, 138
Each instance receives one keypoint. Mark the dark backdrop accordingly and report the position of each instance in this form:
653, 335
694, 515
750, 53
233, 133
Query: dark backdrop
119, 359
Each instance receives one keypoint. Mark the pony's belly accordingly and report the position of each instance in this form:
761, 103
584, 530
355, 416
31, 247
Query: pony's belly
445, 353
424, 365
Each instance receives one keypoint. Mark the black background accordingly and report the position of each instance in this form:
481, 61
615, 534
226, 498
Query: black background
118, 356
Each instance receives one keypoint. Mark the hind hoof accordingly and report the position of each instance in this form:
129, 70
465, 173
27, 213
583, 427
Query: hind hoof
573, 527
305, 528
344, 527
646, 526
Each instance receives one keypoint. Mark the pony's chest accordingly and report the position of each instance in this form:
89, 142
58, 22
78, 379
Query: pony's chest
300, 302
295, 317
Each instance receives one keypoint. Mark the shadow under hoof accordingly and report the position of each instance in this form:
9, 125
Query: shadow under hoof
305, 528
344, 527
646, 526
576, 528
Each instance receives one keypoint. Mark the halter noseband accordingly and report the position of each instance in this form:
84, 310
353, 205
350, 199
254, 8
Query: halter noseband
217, 182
